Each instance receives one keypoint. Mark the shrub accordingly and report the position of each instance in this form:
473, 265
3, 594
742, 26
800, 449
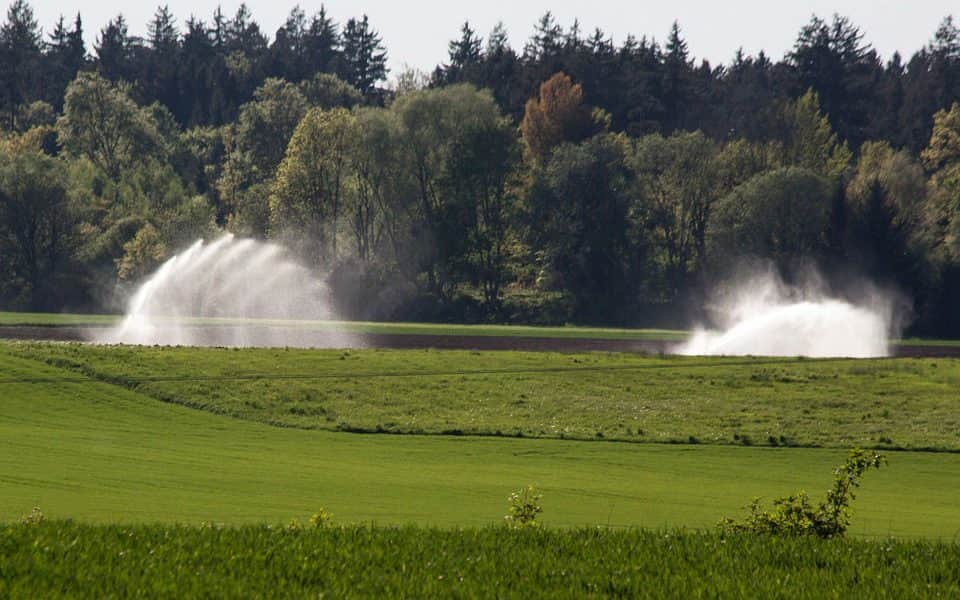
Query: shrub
795, 515
321, 519
34, 517
524, 508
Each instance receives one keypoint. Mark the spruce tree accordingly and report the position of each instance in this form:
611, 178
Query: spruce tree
322, 43
546, 41
20, 39
466, 50
163, 54
364, 56
113, 50
195, 74
676, 81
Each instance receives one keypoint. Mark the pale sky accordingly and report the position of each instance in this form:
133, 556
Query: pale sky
416, 33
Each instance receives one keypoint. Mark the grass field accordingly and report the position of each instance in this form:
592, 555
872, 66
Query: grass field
903, 403
362, 327
69, 560
15, 319
100, 452
162, 468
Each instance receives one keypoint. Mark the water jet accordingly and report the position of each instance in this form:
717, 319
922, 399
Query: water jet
764, 317
229, 292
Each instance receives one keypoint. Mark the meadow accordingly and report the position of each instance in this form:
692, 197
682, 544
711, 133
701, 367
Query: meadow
86, 448
892, 403
183, 470
365, 327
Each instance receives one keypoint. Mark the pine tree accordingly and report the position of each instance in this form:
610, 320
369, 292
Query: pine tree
243, 35
218, 33
160, 76
286, 55
464, 53
946, 40
54, 69
77, 49
58, 38
322, 44
466, 50
599, 44
364, 57
65, 55
497, 43
834, 61
573, 40
113, 50
20, 39
547, 40
676, 81
498, 71
163, 31
195, 74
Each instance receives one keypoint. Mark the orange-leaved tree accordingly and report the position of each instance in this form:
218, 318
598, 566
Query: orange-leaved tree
556, 115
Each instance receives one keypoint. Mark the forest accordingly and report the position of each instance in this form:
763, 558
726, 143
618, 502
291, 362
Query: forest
574, 180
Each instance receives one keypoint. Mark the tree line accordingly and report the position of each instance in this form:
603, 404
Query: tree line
574, 180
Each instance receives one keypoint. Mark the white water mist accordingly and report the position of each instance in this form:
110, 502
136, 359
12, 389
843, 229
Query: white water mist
764, 317
230, 292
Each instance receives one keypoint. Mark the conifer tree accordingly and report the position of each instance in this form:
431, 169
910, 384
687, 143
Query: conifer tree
114, 50
676, 81
163, 50
364, 59
20, 39
546, 41
322, 43
64, 57
466, 50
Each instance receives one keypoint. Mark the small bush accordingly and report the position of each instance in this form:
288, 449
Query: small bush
34, 517
795, 515
524, 508
321, 519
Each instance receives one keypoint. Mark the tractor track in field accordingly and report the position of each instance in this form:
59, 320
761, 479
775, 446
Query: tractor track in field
306, 338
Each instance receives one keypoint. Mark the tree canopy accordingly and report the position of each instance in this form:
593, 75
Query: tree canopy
572, 179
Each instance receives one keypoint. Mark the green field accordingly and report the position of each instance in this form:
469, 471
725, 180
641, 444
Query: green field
902, 403
363, 327
102, 452
69, 560
177, 471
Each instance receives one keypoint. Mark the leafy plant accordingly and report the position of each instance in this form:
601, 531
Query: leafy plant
321, 519
796, 515
524, 508
34, 517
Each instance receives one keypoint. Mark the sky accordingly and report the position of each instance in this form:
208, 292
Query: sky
416, 33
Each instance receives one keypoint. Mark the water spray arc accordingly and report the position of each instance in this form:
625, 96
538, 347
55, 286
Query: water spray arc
763, 317
229, 292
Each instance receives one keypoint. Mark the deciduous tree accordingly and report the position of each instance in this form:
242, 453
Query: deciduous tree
556, 115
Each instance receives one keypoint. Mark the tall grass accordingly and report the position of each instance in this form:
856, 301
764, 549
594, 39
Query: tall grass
64, 559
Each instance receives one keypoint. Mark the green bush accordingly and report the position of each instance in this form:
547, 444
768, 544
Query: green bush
321, 519
524, 508
34, 517
795, 515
